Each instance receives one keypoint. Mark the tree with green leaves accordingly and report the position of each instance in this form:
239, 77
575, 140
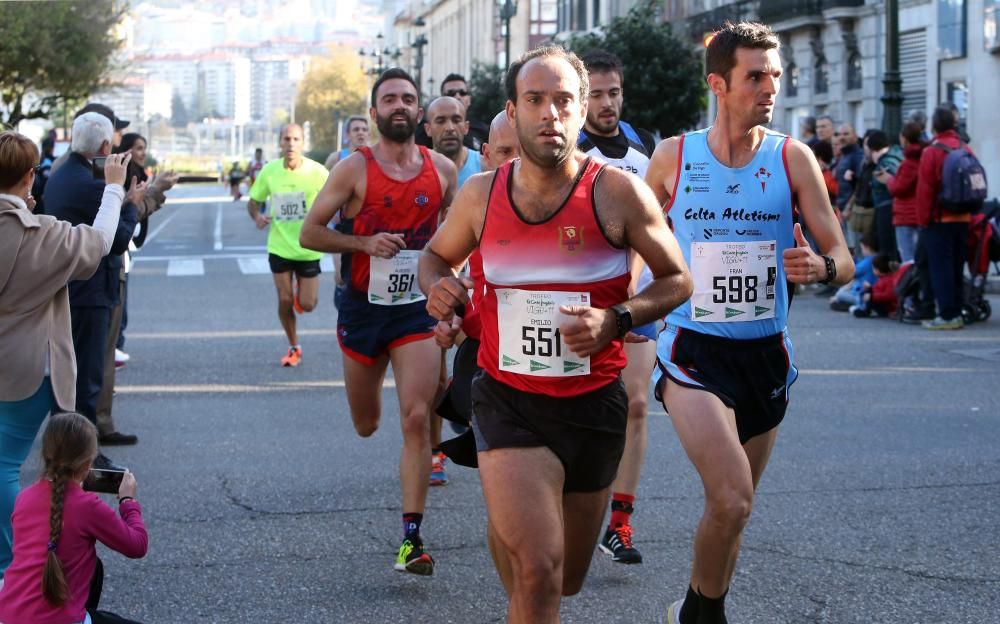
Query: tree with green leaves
488, 97
664, 86
54, 51
333, 89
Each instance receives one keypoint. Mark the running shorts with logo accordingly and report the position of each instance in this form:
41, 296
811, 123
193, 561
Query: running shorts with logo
586, 432
751, 377
730, 337
301, 268
367, 331
533, 390
381, 305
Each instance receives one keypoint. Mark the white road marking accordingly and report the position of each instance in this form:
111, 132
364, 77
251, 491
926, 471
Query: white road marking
254, 265
185, 267
290, 386
158, 229
218, 228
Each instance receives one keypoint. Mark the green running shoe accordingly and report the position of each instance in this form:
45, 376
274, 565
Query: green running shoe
413, 559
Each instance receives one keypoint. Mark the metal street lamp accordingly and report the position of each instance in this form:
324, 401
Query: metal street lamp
892, 81
507, 11
418, 44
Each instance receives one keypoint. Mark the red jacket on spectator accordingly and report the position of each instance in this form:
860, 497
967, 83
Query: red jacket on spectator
884, 290
903, 187
929, 181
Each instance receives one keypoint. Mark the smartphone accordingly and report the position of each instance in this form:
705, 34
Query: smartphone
99, 166
105, 481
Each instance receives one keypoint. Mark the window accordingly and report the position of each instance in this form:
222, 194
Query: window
580, 15
855, 74
952, 29
821, 73
792, 80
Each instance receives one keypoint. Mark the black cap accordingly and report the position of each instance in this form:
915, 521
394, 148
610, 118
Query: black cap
101, 109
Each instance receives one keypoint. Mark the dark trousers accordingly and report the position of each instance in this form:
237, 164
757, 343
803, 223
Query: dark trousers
886, 232
120, 342
90, 338
945, 244
94, 599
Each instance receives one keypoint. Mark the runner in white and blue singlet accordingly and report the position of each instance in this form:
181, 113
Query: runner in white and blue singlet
607, 138
734, 193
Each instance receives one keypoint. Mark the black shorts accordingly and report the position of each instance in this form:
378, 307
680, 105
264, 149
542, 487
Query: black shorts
752, 377
302, 268
456, 404
586, 432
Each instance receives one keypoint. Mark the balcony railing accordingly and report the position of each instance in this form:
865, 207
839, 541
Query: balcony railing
780, 10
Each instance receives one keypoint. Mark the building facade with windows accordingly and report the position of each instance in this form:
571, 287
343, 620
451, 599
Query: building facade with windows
833, 53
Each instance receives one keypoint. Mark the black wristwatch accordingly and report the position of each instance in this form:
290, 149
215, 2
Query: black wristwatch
623, 318
831, 270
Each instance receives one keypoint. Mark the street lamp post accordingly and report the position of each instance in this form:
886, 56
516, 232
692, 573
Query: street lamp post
507, 11
892, 82
419, 44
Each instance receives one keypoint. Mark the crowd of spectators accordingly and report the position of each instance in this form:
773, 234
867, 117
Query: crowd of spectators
888, 197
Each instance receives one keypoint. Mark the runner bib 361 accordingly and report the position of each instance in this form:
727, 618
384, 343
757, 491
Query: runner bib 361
393, 281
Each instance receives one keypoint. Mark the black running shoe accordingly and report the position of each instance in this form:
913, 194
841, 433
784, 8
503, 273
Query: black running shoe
617, 542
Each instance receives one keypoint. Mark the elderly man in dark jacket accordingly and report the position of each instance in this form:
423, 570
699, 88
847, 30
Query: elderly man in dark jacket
73, 194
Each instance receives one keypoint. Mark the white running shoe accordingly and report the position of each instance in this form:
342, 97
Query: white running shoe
121, 356
674, 612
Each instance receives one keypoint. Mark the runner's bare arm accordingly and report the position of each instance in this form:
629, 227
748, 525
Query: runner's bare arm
262, 220
802, 264
448, 175
646, 233
451, 246
631, 217
662, 170
346, 182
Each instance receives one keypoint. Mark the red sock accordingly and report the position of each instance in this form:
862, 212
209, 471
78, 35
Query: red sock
621, 508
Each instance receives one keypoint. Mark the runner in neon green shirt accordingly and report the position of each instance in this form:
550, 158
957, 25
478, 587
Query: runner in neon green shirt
289, 185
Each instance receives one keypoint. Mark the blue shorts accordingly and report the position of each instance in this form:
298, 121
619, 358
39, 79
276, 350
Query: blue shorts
648, 330
367, 331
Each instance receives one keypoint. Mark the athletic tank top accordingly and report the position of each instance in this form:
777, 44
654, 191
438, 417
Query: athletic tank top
530, 269
733, 225
410, 208
636, 161
471, 167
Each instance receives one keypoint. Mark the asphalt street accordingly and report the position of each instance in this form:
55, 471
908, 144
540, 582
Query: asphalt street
881, 502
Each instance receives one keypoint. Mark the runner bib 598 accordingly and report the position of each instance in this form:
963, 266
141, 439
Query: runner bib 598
733, 281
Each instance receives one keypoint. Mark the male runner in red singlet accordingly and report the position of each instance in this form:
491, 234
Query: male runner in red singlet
393, 196
549, 411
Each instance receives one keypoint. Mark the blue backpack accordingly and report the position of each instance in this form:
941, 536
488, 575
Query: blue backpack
963, 181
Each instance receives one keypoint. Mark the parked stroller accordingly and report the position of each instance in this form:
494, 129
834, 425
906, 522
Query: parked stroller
984, 250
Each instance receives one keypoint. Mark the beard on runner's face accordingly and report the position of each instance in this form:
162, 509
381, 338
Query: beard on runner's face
605, 120
390, 128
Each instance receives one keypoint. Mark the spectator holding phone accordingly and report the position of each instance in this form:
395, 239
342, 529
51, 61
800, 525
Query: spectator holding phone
56, 576
38, 256
73, 194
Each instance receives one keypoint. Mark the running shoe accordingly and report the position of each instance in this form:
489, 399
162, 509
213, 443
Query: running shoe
293, 358
121, 358
674, 612
413, 559
940, 323
438, 475
617, 542
295, 304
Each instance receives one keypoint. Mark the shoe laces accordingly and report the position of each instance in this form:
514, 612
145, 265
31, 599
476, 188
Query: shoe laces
624, 533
